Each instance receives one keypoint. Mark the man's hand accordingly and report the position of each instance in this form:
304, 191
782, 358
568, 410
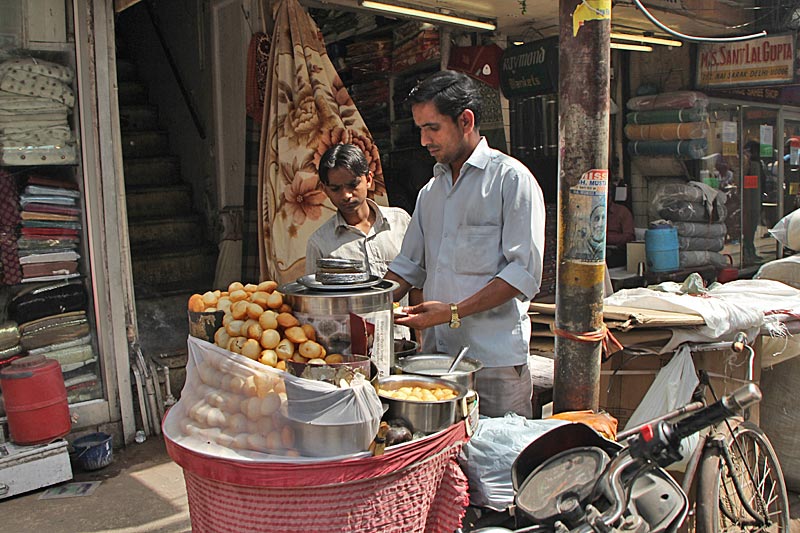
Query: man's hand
425, 315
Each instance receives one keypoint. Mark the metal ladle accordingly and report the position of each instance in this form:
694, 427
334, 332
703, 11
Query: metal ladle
458, 358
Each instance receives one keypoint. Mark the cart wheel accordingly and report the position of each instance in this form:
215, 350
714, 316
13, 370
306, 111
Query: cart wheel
720, 508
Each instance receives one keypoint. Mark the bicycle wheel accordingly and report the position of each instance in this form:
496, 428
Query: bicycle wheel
760, 503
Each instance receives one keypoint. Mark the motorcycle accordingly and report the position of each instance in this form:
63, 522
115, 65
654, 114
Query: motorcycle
572, 480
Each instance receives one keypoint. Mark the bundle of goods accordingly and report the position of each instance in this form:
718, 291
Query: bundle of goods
36, 98
698, 212
413, 45
673, 124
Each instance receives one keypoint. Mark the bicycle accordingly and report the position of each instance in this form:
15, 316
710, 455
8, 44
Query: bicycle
739, 481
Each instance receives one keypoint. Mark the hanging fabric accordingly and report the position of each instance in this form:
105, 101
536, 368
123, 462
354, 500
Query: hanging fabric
307, 111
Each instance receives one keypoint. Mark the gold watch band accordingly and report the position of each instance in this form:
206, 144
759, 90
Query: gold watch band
455, 320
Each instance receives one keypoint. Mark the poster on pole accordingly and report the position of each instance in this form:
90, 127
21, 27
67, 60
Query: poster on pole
587, 223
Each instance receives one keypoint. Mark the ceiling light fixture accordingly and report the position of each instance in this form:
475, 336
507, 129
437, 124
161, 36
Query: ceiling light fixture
632, 47
427, 15
645, 39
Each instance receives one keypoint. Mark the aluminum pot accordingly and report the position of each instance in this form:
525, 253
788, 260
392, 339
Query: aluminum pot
332, 314
404, 348
435, 365
423, 417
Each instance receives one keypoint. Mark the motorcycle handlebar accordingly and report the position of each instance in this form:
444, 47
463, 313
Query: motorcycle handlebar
715, 413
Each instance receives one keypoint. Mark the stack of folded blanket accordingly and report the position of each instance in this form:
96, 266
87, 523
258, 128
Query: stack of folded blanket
36, 99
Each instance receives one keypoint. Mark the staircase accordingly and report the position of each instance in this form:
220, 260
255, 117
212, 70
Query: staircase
172, 257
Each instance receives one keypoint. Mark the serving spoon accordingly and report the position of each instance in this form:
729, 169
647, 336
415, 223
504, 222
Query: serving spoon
458, 358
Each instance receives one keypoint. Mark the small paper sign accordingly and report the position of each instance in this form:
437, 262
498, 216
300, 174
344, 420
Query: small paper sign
765, 140
750, 182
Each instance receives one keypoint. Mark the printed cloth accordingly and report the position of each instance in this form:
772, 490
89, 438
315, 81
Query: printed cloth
9, 220
309, 110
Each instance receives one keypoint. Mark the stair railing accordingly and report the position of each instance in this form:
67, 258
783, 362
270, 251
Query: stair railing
174, 67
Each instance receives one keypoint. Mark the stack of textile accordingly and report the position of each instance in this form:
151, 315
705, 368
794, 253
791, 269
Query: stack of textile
51, 225
413, 45
698, 212
36, 99
668, 124
53, 322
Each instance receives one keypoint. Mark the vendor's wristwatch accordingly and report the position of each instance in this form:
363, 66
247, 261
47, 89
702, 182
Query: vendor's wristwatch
455, 321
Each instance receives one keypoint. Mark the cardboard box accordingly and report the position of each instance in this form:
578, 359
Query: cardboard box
625, 378
636, 255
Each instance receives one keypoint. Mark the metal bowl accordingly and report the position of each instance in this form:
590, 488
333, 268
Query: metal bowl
405, 347
423, 417
437, 366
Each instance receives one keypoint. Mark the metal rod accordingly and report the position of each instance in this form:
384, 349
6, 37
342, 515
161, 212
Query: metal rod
584, 93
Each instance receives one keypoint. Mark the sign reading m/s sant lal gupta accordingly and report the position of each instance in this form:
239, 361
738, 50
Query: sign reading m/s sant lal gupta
765, 61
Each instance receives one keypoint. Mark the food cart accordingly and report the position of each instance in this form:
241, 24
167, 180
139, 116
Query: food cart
275, 431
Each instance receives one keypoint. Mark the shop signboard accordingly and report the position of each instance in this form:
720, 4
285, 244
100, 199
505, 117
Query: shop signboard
530, 69
766, 61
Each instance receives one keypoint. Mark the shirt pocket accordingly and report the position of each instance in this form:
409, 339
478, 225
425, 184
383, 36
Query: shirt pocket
476, 250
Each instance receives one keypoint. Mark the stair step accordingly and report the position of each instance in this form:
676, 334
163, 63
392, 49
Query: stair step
138, 117
151, 171
165, 232
163, 324
191, 267
144, 144
126, 70
159, 202
131, 92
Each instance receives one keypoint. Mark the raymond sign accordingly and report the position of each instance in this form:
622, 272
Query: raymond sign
765, 61
530, 69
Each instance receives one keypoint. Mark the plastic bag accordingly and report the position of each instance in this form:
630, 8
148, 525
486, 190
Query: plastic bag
787, 230
688, 202
488, 456
672, 388
232, 406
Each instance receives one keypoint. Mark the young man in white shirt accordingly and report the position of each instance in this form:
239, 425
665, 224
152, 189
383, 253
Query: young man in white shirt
475, 245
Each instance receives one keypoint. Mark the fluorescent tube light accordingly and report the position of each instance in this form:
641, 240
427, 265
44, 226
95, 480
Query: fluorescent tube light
632, 47
427, 15
645, 39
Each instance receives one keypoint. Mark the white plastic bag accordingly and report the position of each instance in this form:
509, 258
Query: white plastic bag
232, 406
787, 230
672, 388
488, 456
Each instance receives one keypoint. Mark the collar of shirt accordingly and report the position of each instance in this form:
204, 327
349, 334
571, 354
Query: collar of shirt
479, 159
381, 223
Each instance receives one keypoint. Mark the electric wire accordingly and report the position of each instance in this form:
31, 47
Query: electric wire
693, 38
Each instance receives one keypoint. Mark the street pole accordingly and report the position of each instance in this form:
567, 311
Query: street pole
584, 75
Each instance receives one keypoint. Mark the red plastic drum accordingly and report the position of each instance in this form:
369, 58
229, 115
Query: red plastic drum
36, 400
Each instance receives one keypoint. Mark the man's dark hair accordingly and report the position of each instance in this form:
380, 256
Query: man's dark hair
451, 92
346, 156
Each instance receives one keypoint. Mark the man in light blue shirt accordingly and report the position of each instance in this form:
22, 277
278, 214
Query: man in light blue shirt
474, 244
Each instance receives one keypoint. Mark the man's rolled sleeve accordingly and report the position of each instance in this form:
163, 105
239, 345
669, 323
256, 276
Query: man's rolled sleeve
408, 270
523, 233
518, 277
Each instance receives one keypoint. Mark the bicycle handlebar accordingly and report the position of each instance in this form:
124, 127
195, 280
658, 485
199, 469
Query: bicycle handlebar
715, 413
